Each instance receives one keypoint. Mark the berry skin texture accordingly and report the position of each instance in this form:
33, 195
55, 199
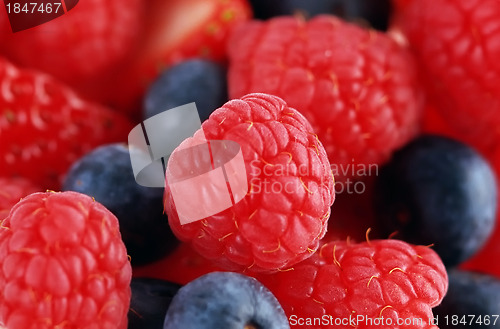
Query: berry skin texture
63, 264
198, 80
106, 174
225, 300
472, 301
457, 43
82, 45
45, 126
438, 191
281, 219
481, 261
374, 279
358, 88
12, 190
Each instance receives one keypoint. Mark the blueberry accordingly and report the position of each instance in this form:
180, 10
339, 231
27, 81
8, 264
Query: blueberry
201, 81
472, 301
150, 301
225, 300
438, 191
106, 175
375, 12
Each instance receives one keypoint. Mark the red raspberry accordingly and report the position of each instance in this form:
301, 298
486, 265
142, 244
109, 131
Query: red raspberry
182, 266
284, 214
357, 87
457, 43
13, 189
45, 126
62, 265
89, 40
374, 279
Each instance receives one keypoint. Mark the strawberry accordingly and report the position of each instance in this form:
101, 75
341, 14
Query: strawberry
45, 126
79, 47
177, 30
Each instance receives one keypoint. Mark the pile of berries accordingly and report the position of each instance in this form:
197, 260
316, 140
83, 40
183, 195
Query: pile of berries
341, 170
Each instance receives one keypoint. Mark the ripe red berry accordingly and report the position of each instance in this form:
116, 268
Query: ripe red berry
290, 188
12, 190
457, 43
62, 265
45, 126
353, 284
88, 41
357, 87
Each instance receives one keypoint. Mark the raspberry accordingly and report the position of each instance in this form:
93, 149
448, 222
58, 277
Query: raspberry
13, 189
45, 126
457, 44
62, 265
284, 214
358, 88
373, 279
106, 174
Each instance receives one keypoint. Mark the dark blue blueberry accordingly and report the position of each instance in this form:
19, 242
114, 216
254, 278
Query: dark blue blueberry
472, 301
374, 12
438, 191
225, 300
106, 174
150, 301
201, 81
